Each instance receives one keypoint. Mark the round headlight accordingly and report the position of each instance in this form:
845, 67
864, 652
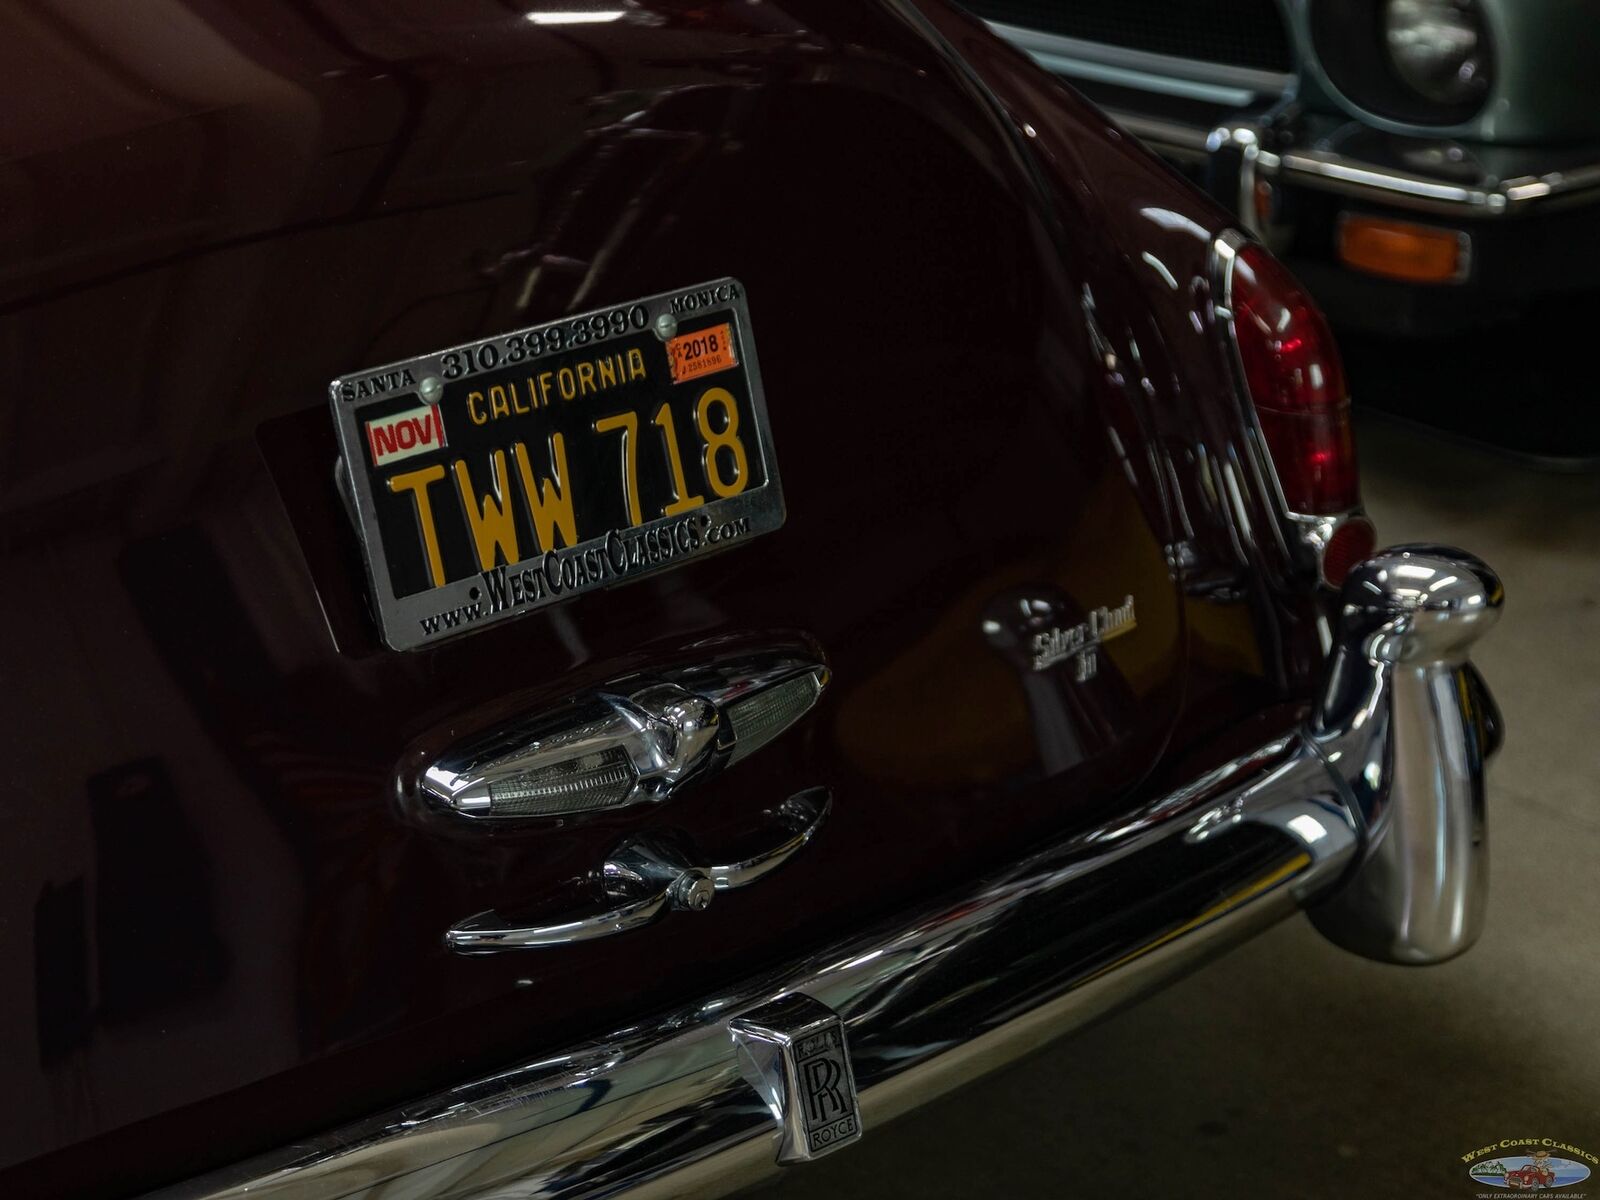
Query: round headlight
1438, 47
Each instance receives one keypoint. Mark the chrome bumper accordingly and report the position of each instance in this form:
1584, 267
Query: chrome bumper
1372, 812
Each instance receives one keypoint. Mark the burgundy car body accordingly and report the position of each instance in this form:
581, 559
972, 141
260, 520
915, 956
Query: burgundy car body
987, 333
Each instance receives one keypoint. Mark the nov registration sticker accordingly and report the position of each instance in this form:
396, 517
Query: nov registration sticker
491, 479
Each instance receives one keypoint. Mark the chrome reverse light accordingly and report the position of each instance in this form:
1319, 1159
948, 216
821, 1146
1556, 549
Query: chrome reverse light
637, 740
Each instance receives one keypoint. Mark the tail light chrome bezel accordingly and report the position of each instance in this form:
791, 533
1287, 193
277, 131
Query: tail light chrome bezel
1303, 537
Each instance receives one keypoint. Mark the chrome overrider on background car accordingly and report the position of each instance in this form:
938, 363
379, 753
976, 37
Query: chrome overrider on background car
1371, 815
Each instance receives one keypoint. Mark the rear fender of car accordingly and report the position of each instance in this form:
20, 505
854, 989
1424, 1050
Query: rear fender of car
1252, 605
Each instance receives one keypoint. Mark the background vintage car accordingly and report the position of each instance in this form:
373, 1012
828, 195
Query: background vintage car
1023, 384
1430, 168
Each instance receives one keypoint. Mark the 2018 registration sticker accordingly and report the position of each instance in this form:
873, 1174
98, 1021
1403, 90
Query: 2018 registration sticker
703, 352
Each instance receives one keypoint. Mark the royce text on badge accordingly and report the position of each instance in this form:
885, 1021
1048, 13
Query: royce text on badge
491, 479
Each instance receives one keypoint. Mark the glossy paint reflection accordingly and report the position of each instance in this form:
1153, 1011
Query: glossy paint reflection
217, 208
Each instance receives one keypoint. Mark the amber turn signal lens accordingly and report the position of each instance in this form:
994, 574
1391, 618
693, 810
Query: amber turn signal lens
1401, 250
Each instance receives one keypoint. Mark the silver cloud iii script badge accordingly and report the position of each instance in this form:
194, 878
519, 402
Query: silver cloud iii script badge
1080, 641
1036, 629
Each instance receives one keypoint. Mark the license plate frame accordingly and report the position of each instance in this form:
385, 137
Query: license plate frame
416, 419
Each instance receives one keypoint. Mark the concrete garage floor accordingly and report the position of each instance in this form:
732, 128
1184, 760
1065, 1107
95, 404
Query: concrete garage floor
1290, 1068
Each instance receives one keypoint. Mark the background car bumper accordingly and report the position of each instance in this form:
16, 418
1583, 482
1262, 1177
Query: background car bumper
1377, 798
1439, 176
1294, 178
1300, 184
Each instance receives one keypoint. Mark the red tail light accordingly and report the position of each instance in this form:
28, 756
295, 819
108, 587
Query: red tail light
1296, 381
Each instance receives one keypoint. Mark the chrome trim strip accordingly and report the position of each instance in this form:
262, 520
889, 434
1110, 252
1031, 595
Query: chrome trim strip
1143, 68
1171, 138
1164, 85
1242, 144
1378, 798
1329, 171
1577, 182
1334, 172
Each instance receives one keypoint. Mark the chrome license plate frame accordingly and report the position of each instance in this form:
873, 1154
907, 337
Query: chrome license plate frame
577, 390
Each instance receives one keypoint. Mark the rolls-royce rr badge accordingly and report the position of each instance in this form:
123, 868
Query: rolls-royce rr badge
795, 1053
493, 478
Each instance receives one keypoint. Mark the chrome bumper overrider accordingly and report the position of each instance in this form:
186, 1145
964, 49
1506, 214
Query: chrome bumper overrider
1371, 814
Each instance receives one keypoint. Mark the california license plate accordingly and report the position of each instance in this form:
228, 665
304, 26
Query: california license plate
491, 479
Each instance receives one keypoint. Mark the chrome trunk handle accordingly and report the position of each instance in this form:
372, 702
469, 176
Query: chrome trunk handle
645, 877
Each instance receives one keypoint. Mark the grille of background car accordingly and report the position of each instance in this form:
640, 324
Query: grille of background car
1245, 33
